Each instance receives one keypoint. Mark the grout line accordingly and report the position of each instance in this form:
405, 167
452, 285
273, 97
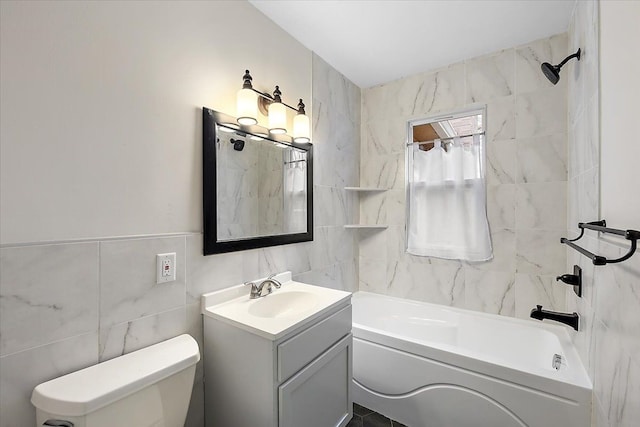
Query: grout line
99, 239
99, 309
48, 344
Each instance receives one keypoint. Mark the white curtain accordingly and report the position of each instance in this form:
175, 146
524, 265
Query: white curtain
447, 206
295, 192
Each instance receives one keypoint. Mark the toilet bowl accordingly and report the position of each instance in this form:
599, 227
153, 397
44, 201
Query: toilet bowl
150, 387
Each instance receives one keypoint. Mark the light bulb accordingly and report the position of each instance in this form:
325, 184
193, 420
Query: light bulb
301, 125
277, 118
247, 107
301, 128
247, 102
277, 114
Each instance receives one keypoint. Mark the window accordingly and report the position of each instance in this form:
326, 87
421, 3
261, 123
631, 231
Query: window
447, 215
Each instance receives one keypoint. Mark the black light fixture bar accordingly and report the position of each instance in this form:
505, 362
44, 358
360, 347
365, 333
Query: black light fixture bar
270, 99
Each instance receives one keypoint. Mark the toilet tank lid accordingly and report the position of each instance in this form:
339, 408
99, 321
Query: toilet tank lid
82, 392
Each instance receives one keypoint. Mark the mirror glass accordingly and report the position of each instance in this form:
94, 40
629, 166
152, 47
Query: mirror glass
261, 186
257, 188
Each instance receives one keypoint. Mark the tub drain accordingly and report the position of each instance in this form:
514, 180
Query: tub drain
556, 361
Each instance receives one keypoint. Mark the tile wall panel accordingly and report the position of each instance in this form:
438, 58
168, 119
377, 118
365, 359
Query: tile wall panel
526, 173
610, 309
128, 288
47, 293
21, 372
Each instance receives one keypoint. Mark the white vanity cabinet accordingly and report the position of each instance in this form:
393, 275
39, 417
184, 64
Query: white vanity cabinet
299, 377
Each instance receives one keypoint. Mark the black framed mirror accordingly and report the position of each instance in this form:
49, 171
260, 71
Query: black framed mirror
257, 187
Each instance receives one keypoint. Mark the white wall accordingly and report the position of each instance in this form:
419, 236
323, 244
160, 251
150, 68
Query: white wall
619, 112
101, 121
119, 88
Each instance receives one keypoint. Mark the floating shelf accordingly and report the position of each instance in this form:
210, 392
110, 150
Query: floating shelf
364, 189
366, 227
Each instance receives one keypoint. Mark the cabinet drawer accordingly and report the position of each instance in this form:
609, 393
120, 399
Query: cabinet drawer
301, 349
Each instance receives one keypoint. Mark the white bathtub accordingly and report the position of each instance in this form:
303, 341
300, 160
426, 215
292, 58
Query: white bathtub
427, 365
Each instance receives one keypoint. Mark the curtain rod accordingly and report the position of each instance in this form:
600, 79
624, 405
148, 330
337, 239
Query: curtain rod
445, 139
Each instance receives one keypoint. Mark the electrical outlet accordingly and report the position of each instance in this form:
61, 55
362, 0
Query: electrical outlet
166, 267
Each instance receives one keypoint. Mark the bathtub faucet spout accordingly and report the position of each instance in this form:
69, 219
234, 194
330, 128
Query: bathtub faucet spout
570, 319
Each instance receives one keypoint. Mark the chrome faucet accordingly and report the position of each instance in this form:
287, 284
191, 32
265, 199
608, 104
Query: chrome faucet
268, 283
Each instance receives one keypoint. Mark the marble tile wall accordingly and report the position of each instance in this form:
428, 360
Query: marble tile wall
526, 182
270, 174
610, 308
237, 181
65, 306
252, 192
70, 305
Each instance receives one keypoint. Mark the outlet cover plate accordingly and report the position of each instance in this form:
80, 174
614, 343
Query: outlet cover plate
165, 267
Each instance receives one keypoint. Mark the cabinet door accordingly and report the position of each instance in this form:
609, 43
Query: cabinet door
320, 394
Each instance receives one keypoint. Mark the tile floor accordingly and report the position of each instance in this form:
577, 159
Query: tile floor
365, 417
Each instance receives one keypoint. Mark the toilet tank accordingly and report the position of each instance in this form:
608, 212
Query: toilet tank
150, 387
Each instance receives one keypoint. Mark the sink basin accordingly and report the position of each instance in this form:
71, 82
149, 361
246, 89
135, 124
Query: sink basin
275, 315
283, 304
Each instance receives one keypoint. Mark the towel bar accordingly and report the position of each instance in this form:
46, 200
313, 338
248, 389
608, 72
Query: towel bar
601, 226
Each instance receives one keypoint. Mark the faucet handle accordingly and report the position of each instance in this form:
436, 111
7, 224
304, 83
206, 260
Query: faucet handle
538, 307
254, 289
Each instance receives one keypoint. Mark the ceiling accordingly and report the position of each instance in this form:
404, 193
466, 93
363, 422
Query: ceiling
377, 41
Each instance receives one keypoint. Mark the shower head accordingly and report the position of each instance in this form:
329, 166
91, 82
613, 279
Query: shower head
238, 144
552, 72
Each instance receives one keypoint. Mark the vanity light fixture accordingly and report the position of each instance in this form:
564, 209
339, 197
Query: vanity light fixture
249, 100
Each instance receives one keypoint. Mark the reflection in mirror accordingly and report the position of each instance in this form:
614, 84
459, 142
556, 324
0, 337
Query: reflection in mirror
257, 189
261, 186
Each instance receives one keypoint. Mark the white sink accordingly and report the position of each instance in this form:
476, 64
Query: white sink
283, 304
276, 314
